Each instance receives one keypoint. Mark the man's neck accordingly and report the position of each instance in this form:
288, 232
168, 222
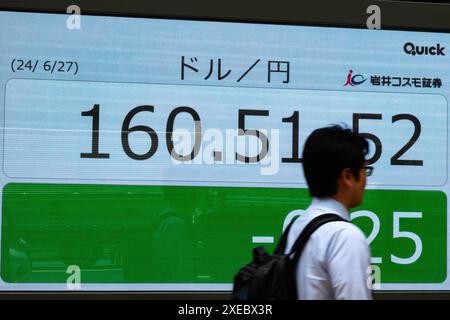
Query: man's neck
343, 200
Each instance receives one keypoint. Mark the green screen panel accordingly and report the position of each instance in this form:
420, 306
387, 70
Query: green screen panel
180, 234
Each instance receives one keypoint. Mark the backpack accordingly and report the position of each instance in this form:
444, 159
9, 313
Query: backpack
272, 277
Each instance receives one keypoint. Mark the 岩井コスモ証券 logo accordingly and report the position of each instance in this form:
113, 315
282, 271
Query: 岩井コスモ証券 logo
393, 81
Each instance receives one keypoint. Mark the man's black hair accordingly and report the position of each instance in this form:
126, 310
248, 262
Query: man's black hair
326, 153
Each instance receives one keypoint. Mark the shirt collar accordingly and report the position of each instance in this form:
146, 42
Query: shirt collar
329, 205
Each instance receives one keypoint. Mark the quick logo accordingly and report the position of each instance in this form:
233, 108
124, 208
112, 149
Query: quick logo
412, 49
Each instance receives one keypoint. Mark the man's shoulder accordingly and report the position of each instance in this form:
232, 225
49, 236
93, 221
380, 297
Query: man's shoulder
340, 238
340, 230
334, 230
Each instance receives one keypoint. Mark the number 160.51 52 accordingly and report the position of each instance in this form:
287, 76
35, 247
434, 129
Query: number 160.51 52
294, 119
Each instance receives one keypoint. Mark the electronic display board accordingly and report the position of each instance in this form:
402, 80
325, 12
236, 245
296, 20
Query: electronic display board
154, 154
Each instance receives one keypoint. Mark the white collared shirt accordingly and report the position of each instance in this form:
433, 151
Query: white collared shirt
335, 261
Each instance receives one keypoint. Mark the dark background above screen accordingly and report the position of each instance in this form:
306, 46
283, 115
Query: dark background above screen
404, 15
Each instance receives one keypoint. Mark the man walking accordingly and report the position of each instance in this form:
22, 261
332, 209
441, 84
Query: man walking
335, 261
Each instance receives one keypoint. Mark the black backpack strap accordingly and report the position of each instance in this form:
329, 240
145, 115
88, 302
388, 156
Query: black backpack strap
304, 236
281, 246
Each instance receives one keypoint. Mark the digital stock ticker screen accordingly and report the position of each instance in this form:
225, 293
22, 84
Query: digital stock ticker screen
153, 154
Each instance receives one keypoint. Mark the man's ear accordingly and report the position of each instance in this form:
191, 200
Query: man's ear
346, 178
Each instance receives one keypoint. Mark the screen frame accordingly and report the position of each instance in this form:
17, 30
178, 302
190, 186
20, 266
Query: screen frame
395, 15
